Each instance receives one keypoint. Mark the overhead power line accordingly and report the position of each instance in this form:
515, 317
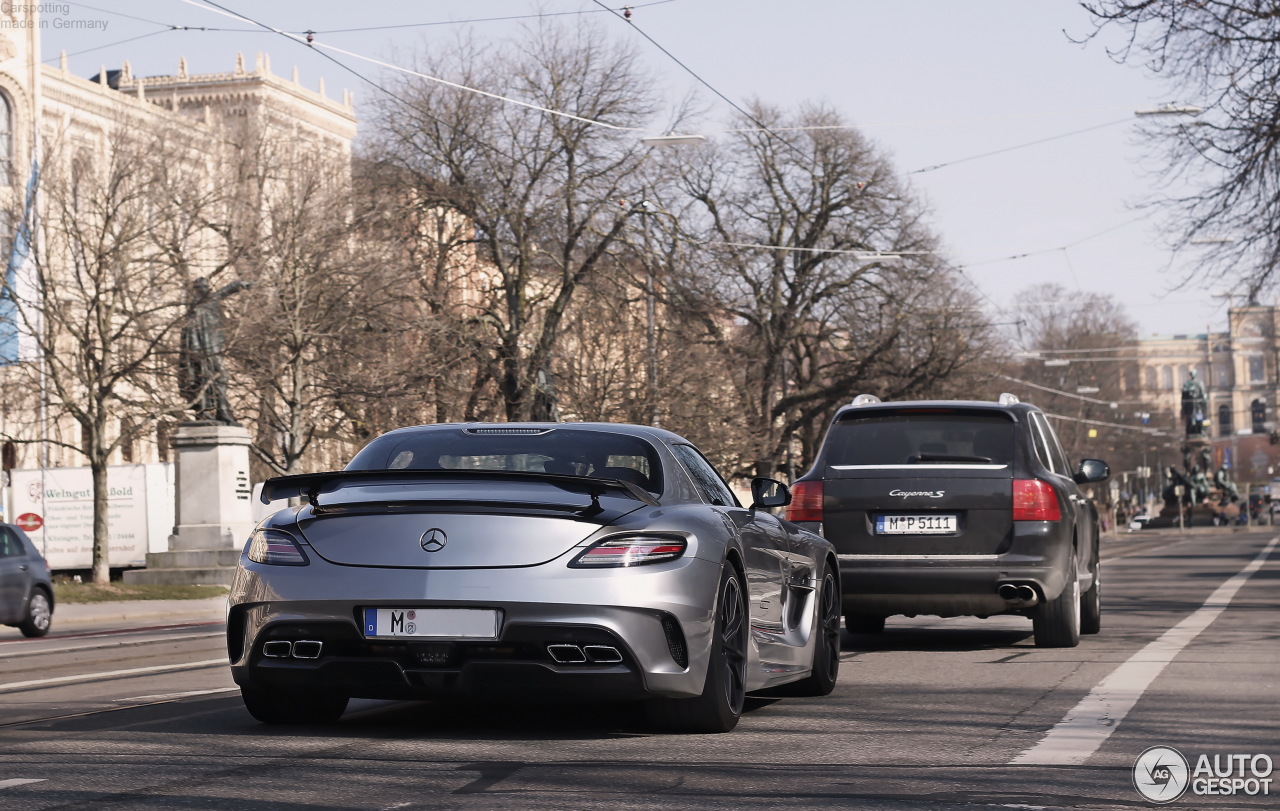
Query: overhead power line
1018, 146
763, 127
309, 41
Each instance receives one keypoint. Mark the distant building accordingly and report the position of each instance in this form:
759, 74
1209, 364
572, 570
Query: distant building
1240, 370
74, 116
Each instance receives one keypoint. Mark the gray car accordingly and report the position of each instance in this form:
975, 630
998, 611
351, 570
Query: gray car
26, 588
578, 561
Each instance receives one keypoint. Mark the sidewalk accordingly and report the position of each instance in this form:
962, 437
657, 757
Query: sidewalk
70, 617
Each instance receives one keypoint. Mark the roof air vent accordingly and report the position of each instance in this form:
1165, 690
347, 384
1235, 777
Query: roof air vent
865, 399
1008, 399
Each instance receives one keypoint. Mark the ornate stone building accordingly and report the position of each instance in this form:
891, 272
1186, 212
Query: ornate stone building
74, 117
1240, 369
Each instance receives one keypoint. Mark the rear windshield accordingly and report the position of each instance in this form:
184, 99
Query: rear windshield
597, 454
921, 438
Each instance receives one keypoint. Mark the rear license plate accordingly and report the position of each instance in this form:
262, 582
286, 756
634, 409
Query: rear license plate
434, 623
916, 524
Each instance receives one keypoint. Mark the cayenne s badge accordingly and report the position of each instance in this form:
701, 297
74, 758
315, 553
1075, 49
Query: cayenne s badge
924, 493
433, 540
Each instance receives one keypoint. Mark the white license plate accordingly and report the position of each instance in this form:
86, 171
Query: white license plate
916, 524
433, 623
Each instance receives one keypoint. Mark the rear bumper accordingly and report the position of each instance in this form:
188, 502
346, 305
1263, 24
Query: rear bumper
952, 585
279, 604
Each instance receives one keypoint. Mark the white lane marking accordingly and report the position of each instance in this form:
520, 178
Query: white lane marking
1086, 727
29, 651
18, 781
175, 696
133, 671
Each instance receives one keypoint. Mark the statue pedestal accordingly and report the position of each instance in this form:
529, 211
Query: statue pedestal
213, 489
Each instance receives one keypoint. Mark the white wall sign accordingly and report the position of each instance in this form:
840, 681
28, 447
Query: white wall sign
140, 505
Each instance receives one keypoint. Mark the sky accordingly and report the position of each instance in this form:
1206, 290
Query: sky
929, 81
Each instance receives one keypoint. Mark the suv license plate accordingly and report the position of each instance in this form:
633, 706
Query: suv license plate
434, 623
916, 524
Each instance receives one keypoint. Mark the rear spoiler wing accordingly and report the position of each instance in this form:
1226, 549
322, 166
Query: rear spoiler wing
312, 485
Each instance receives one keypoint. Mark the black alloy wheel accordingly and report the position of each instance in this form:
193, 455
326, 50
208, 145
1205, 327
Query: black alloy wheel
719, 706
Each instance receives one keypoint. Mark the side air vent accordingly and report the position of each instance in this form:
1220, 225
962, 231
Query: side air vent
510, 431
675, 640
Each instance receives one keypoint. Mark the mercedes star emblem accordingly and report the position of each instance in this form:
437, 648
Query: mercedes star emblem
433, 540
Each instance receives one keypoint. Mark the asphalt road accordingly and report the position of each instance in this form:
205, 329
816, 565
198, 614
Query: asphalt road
932, 714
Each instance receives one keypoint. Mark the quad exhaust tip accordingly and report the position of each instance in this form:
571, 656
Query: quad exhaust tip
567, 654
284, 649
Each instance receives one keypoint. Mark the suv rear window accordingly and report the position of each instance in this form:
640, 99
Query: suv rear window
907, 438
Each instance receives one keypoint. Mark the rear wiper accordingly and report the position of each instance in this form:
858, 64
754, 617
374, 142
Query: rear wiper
948, 457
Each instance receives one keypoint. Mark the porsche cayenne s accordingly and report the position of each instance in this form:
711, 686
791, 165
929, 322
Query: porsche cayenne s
956, 508
572, 560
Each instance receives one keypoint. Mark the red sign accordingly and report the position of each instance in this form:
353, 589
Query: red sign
29, 522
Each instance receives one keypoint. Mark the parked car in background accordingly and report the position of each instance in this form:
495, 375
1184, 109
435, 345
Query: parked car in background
26, 588
1139, 522
578, 560
956, 508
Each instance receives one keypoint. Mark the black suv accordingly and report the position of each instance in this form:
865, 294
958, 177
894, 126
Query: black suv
956, 508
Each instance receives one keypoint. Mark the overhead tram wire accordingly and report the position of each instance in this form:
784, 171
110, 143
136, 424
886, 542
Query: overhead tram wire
1018, 146
109, 45
481, 19
763, 128
337, 62
308, 40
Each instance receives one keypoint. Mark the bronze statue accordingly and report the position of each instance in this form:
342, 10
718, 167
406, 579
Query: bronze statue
1194, 404
202, 378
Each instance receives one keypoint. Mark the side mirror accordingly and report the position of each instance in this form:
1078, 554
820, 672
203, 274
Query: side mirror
1091, 471
768, 493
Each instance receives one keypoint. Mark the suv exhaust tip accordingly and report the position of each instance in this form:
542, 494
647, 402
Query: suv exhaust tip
1018, 595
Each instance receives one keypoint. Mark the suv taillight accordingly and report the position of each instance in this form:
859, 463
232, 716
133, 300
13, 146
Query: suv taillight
806, 502
1034, 500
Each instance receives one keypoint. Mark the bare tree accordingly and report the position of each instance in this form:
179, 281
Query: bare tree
1222, 172
547, 194
112, 256
818, 278
1089, 339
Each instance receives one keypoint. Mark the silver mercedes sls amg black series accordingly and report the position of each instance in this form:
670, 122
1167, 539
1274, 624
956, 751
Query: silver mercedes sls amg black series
570, 560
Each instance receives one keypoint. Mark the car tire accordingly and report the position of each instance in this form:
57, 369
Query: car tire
38, 616
1091, 602
826, 646
719, 706
864, 623
293, 706
1056, 623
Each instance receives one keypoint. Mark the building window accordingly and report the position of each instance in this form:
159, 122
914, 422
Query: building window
1258, 411
1257, 369
1150, 373
1166, 378
1224, 420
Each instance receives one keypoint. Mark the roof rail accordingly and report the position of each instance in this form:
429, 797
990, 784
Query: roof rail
1008, 399
865, 399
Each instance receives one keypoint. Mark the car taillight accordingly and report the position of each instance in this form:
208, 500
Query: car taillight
635, 550
806, 502
1034, 500
275, 547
